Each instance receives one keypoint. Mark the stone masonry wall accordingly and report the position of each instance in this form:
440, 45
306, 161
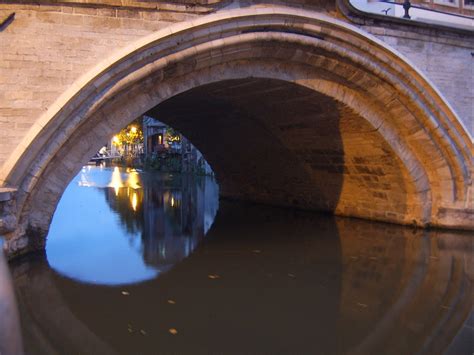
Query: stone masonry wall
447, 62
46, 48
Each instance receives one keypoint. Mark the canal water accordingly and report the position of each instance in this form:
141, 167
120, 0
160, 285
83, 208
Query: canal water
147, 263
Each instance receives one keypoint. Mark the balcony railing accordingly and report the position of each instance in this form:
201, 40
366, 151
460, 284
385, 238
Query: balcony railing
416, 13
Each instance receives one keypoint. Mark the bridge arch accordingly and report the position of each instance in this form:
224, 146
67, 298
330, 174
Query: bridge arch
352, 71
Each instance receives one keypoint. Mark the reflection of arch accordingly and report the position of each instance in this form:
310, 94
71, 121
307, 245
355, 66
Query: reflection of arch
407, 291
302, 47
36, 286
419, 284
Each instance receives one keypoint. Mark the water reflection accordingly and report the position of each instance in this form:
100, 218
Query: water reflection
263, 280
147, 221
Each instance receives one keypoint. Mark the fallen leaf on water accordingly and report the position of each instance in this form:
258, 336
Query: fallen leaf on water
256, 251
291, 275
171, 302
213, 276
173, 331
125, 293
142, 332
362, 305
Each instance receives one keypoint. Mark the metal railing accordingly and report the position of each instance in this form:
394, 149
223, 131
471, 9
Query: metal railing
408, 10
408, 5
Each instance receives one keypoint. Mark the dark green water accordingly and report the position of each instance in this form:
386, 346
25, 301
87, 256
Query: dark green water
154, 264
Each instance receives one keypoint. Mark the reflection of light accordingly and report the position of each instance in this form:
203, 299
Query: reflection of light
133, 181
186, 251
173, 199
116, 181
134, 129
134, 201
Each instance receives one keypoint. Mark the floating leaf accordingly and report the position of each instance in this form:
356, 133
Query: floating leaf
213, 276
171, 302
291, 275
142, 332
173, 331
125, 293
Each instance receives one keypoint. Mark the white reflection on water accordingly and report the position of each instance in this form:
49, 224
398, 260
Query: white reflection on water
116, 227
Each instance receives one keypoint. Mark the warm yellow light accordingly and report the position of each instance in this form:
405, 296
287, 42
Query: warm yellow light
116, 140
174, 138
133, 129
172, 201
134, 201
116, 181
133, 180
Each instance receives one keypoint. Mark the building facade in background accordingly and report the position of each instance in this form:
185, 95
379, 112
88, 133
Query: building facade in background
161, 141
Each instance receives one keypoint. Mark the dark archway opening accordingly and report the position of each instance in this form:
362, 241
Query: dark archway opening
268, 141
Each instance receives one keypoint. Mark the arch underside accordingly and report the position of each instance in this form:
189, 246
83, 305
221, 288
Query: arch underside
289, 110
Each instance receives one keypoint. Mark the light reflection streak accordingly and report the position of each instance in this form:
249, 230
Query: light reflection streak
134, 201
133, 180
116, 181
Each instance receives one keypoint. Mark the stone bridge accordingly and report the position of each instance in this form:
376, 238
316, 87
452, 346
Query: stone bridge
308, 104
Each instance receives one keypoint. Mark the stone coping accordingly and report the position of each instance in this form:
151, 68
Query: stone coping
198, 6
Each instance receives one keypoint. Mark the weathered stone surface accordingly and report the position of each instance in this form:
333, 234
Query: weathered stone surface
447, 64
8, 220
366, 136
